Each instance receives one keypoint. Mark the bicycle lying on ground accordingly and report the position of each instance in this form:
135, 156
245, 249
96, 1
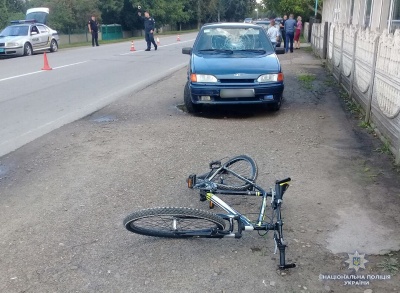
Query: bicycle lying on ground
224, 179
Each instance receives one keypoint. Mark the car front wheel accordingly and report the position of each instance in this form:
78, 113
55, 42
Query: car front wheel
27, 49
277, 105
53, 46
187, 98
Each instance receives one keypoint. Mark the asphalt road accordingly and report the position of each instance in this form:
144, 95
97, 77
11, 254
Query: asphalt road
34, 102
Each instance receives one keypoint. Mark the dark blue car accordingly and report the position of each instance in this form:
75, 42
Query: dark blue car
233, 63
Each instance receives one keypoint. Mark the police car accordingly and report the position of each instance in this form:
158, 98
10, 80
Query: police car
25, 37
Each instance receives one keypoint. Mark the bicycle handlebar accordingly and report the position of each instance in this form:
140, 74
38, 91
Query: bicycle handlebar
280, 187
286, 180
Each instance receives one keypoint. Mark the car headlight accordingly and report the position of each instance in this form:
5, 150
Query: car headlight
12, 44
203, 78
271, 77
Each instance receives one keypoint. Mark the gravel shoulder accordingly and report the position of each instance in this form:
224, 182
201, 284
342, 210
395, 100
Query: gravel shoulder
63, 197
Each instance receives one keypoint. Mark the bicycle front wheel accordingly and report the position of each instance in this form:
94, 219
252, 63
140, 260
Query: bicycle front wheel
174, 222
241, 165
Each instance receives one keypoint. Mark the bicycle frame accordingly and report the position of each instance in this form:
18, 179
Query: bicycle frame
244, 224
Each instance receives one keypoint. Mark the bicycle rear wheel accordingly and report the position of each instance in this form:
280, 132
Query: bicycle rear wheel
174, 222
242, 165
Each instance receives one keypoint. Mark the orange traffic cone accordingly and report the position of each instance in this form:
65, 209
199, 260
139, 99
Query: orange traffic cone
133, 47
158, 41
46, 63
179, 38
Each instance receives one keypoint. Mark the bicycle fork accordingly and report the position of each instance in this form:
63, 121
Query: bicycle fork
281, 245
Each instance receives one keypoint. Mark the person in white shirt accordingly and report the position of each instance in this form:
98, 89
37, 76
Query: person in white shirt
273, 33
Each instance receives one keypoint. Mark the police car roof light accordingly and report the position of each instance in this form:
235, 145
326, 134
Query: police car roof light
23, 21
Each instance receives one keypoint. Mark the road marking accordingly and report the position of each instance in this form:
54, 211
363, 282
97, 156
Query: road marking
68, 65
22, 75
177, 43
40, 71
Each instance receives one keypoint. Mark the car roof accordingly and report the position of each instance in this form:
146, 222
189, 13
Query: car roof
21, 24
230, 24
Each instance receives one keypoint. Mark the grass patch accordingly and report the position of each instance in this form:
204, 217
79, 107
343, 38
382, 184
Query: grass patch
350, 104
367, 126
389, 264
370, 173
306, 80
329, 82
306, 49
385, 148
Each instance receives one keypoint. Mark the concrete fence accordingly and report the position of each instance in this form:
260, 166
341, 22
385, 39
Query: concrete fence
367, 64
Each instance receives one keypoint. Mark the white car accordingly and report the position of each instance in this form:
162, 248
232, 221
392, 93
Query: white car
26, 37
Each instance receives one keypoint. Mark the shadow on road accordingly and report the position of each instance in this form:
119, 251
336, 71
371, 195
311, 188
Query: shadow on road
232, 111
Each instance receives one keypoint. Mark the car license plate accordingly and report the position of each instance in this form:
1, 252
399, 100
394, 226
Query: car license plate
1, 50
237, 93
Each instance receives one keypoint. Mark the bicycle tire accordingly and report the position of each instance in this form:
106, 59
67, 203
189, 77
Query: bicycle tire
158, 222
242, 165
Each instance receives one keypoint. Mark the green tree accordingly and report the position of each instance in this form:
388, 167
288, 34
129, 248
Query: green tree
15, 6
304, 8
3, 14
129, 18
168, 12
69, 15
111, 10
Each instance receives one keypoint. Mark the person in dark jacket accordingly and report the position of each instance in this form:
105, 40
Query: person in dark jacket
282, 28
290, 26
93, 27
149, 26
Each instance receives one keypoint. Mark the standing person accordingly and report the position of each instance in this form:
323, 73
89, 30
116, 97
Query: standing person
282, 29
93, 27
149, 26
273, 33
298, 32
290, 25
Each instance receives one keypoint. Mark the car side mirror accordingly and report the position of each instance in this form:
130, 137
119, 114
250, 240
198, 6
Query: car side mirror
279, 50
187, 50
33, 33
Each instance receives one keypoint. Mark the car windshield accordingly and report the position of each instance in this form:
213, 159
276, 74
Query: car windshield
18, 30
232, 40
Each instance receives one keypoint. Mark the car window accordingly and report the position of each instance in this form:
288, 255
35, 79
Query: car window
235, 39
34, 29
42, 29
15, 31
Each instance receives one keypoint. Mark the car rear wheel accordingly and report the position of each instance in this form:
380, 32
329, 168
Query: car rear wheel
187, 98
53, 46
27, 49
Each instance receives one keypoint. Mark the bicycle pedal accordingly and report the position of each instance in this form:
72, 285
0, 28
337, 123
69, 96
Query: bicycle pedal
191, 180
